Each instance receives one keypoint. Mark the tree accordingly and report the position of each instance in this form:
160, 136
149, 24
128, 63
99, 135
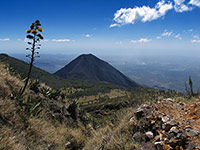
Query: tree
191, 86
34, 36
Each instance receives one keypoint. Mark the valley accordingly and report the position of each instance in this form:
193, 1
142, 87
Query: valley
162, 72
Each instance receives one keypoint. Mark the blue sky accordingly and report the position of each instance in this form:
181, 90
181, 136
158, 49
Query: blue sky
127, 27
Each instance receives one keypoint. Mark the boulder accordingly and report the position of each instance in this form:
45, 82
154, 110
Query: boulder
191, 146
139, 137
139, 113
149, 135
165, 119
168, 125
169, 100
158, 145
192, 132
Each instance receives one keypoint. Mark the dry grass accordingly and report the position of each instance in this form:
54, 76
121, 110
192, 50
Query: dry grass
8, 83
8, 112
9, 140
11, 125
19, 131
112, 94
47, 134
114, 136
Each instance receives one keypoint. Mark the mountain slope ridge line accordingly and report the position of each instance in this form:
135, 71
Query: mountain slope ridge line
90, 67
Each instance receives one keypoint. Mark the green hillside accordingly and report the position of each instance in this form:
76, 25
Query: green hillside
77, 117
52, 80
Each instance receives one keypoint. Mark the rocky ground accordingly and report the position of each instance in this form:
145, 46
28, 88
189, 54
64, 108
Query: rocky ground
168, 125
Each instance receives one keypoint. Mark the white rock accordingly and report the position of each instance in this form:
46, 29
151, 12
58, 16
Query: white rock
149, 134
169, 100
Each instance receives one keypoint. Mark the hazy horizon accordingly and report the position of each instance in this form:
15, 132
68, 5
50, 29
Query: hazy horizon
169, 72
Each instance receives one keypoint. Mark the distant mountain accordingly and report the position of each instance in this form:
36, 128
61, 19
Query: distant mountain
89, 67
52, 80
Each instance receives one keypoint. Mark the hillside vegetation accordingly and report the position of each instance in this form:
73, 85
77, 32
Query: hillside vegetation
21, 67
73, 117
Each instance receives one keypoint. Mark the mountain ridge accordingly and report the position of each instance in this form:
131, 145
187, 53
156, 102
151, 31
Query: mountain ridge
48, 78
90, 67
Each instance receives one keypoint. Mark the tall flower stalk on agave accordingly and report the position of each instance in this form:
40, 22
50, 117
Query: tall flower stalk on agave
34, 37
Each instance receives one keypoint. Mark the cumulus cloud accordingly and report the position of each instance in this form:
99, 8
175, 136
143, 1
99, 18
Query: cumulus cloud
61, 40
178, 2
87, 36
114, 25
158, 37
195, 2
180, 6
6, 39
178, 36
169, 34
142, 40
145, 13
195, 41
166, 34
140, 14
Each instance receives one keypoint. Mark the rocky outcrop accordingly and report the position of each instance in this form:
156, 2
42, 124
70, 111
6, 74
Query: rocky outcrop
168, 125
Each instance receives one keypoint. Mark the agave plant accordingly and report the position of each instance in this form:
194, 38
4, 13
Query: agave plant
33, 36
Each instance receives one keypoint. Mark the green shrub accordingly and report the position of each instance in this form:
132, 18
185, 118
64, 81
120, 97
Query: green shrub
34, 86
72, 109
50, 93
31, 106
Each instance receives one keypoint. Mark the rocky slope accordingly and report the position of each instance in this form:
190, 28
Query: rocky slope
168, 125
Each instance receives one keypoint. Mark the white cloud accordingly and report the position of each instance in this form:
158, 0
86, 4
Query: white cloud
196, 36
178, 2
166, 34
113, 25
142, 40
195, 41
182, 7
6, 39
195, 2
61, 40
145, 13
87, 36
141, 14
178, 36
169, 34
158, 37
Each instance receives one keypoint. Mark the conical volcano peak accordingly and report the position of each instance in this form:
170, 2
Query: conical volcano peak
87, 55
90, 67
